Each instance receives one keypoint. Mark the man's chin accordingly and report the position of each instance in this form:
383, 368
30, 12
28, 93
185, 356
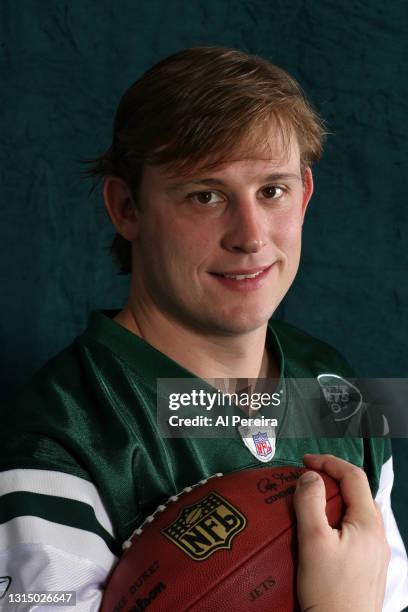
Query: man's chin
225, 322
236, 326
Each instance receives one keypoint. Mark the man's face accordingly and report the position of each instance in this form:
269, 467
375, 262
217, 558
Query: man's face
217, 250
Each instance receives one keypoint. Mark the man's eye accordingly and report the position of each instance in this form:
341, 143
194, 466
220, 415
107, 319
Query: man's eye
273, 192
205, 197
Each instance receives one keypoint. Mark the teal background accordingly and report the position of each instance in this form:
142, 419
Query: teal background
63, 67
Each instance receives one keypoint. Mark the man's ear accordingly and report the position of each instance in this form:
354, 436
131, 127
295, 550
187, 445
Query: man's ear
121, 207
307, 189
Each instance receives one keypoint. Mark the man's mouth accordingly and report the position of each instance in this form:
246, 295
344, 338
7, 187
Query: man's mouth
243, 280
243, 274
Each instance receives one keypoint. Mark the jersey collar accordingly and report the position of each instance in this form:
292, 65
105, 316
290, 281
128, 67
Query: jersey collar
149, 363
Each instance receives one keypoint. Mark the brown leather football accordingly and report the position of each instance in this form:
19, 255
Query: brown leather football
227, 543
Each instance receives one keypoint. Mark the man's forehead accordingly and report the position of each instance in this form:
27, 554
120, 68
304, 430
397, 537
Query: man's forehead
272, 151
254, 169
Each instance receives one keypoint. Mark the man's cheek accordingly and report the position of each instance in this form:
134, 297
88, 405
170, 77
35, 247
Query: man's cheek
291, 234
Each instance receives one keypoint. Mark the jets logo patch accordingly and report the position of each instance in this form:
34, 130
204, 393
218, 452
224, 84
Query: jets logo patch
343, 398
205, 527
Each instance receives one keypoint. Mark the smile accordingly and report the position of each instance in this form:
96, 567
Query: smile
243, 280
242, 276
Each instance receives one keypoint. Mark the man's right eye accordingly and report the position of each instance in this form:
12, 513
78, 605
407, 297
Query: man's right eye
205, 197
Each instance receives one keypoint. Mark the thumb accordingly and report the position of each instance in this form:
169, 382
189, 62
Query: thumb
310, 505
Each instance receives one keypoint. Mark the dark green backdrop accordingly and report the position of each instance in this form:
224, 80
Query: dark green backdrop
64, 65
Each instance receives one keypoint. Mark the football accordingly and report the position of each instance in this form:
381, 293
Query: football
226, 543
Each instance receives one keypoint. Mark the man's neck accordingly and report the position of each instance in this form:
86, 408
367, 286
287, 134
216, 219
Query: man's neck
243, 356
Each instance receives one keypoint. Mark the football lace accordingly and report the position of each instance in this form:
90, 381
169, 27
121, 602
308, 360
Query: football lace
173, 498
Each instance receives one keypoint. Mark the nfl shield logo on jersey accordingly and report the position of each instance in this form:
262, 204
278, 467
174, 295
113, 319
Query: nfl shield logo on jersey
262, 445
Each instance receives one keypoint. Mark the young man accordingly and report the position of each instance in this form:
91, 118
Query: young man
207, 182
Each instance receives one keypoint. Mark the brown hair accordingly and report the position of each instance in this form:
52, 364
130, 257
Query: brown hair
199, 107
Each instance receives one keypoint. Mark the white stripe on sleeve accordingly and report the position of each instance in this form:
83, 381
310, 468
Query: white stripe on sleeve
42, 555
32, 530
60, 484
43, 568
396, 594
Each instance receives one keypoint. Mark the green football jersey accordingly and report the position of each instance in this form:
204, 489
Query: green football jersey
81, 448
91, 412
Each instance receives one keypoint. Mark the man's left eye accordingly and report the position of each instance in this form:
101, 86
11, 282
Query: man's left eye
273, 192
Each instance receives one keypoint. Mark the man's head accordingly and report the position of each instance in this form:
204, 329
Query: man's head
198, 108
207, 182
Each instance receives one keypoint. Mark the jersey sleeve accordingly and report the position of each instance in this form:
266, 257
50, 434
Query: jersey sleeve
60, 485
396, 594
379, 469
55, 535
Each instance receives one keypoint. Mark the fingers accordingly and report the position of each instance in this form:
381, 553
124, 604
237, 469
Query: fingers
358, 550
354, 485
310, 504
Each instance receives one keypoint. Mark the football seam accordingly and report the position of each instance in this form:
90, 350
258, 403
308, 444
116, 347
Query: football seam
162, 507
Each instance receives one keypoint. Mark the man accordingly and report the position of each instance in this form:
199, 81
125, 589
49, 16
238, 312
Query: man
207, 182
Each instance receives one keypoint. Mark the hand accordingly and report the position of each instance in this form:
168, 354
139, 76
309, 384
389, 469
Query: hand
340, 570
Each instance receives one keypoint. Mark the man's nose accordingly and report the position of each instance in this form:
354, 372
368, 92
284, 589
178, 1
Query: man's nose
253, 246
245, 230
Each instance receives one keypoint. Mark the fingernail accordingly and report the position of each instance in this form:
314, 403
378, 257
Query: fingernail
307, 478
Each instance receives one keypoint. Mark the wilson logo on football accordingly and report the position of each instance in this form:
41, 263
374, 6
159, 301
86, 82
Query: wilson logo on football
206, 526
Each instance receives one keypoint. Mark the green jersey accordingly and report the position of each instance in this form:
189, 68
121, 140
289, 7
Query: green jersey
83, 463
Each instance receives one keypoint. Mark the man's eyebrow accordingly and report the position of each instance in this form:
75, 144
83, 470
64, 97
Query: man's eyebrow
215, 182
